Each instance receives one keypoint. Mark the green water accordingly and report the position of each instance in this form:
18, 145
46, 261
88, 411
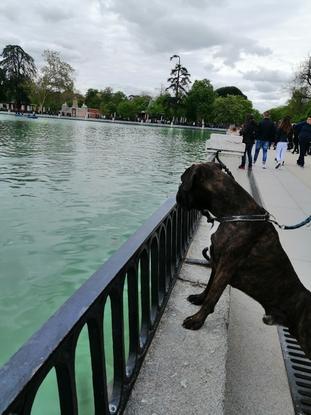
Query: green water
71, 193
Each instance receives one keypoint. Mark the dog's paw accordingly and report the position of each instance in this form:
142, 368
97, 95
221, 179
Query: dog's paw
195, 299
192, 323
269, 320
274, 320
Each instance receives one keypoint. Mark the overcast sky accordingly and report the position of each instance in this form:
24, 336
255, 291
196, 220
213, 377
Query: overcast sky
126, 44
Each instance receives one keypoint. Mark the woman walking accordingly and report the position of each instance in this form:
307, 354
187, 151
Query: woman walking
284, 133
249, 133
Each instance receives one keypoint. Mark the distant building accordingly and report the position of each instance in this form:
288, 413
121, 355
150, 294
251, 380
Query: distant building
4, 106
11, 106
75, 111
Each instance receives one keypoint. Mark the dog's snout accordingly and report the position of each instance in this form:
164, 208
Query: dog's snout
183, 199
178, 196
179, 199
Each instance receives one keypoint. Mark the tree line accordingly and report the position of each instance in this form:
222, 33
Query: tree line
21, 82
298, 106
182, 101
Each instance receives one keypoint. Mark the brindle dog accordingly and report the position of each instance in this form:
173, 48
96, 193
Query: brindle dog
246, 255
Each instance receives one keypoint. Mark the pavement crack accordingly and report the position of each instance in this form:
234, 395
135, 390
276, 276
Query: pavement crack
193, 283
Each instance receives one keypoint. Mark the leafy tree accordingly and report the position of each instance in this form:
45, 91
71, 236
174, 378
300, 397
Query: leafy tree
118, 96
161, 106
298, 107
93, 98
56, 77
229, 90
299, 104
302, 80
106, 95
199, 101
131, 108
155, 110
278, 113
256, 114
179, 80
3, 86
141, 103
110, 101
126, 109
20, 69
231, 109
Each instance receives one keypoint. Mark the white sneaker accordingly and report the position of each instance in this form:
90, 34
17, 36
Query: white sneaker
264, 166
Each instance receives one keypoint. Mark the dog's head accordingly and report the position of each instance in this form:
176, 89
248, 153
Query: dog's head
197, 183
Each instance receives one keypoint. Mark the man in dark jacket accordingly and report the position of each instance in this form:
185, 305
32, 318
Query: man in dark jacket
266, 134
304, 135
249, 133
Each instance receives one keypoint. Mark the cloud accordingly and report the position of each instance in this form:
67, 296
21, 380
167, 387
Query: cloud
232, 52
265, 86
53, 13
267, 75
211, 67
253, 45
180, 26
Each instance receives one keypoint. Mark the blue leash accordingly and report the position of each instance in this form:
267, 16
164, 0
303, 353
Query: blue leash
266, 217
287, 227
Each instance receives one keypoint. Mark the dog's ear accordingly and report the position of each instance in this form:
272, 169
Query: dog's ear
188, 176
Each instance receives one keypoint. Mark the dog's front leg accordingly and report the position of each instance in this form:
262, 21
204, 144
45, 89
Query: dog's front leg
219, 282
198, 299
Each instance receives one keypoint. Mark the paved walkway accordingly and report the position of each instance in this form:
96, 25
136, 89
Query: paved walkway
214, 371
257, 383
184, 371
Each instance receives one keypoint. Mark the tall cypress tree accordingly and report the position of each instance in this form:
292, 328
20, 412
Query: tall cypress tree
179, 80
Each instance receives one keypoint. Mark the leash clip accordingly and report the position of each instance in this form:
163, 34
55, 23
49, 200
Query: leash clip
208, 216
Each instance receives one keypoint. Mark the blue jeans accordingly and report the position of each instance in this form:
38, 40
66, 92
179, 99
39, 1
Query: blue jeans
248, 151
264, 145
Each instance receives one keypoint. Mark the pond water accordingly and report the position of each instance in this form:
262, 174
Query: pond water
71, 192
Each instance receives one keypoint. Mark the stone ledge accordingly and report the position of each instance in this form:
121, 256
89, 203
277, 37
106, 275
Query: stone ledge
184, 371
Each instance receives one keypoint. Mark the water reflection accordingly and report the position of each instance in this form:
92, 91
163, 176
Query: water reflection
71, 194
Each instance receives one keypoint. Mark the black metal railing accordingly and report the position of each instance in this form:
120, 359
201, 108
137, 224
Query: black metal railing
146, 265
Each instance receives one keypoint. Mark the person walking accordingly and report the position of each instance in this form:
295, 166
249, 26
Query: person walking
249, 134
266, 133
295, 140
233, 130
284, 134
304, 135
